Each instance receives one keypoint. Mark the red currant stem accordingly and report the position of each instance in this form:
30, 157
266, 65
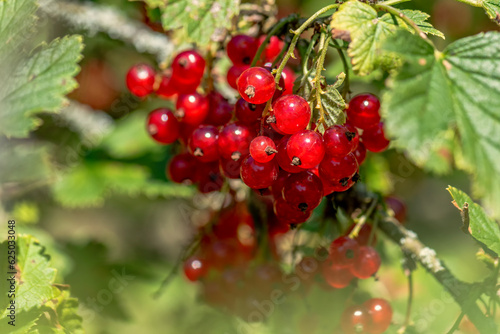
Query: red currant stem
409, 276
295, 38
277, 28
346, 89
406, 19
455, 326
355, 231
265, 112
372, 232
465, 294
209, 67
323, 46
395, 2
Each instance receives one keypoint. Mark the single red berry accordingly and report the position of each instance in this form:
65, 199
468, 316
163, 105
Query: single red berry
306, 148
363, 111
289, 214
195, 268
340, 140
220, 111
334, 170
360, 153
234, 140
256, 85
335, 275
379, 315
303, 191
338, 185
273, 48
209, 177
363, 235
289, 76
367, 262
188, 67
374, 138
344, 251
192, 108
397, 206
162, 126
282, 157
241, 49
185, 131
248, 113
354, 319
233, 73
307, 268
230, 168
291, 113
140, 80
167, 87
203, 143
181, 167
263, 149
258, 175
277, 187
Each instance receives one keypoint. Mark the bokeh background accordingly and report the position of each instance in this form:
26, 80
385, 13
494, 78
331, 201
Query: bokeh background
91, 186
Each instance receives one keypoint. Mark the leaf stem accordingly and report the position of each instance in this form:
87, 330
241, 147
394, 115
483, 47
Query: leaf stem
409, 275
394, 2
345, 63
406, 19
323, 46
296, 36
355, 231
456, 324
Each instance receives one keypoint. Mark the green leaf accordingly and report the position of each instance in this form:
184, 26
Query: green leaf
420, 18
367, 32
492, 8
39, 84
458, 89
333, 103
25, 321
201, 21
481, 227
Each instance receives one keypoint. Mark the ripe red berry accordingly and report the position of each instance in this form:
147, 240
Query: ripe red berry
209, 177
273, 48
333, 170
234, 140
282, 157
363, 235
233, 73
203, 143
241, 49
289, 77
167, 87
277, 187
306, 148
374, 138
289, 214
379, 315
140, 80
220, 111
162, 126
195, 268
363, 111
263, 149
258, 175
181, 167
367, 262
230, 168
344, 251
340, 140
188, 67
292, 113
303, 191
398, 208
354, 320
360, 153
192, 108
248, 113
335, 275
256, 85
337, 185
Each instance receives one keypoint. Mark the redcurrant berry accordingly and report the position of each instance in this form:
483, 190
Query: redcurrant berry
203, 143
273, 48
188, 67
248, 113
162, 126
195, 268
192, 108
220, 111
340, 140
167, 87
241, 49
367, 262
140, 80
363, 111
263, 149
306, 148
289, 76
374, 138
335, 275
233, 74
354, 320
234, 140
289, 214
344, 251
360, 153
398, 208
303, 191
256, 85
258, 175
363, 235
277, 187
333, 170
282, 157
379, 315
209, 177
181, 168
291, 113
230, 168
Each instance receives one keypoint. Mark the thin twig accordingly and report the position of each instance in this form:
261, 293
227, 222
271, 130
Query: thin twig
456, 324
